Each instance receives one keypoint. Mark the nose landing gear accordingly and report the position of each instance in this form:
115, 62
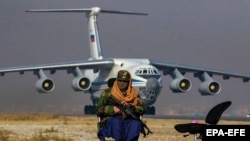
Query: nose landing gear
150, 110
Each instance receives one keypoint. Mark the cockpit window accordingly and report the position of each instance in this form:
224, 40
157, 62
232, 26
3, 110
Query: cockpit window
148, 73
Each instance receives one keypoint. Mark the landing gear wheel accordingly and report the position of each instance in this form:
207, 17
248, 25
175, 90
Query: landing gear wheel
150, 111
89, 110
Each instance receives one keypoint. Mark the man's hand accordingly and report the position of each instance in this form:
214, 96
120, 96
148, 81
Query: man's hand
124, 103
117, 110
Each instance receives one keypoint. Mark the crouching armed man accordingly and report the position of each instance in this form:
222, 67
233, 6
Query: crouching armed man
116, 121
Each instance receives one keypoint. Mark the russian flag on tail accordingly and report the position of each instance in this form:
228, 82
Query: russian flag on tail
92, 38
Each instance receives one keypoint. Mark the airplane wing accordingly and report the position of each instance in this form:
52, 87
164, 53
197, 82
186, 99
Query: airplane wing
168, 67
208, 86
89, 64
79, 83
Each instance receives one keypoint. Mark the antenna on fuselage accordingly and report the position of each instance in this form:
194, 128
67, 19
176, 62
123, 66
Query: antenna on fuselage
91, 14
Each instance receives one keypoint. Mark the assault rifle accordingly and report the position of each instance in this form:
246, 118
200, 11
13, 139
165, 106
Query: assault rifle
129, 112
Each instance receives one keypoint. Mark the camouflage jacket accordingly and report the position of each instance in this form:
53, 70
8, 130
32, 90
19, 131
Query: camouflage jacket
105, 108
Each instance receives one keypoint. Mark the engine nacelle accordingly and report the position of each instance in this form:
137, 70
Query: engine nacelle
180, 85
81, 83
111, 82
45, 85
210, 88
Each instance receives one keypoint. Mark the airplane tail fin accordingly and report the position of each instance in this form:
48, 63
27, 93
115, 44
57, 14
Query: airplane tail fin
91, 14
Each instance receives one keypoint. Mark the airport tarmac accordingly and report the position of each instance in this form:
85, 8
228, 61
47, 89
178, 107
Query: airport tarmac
84, 128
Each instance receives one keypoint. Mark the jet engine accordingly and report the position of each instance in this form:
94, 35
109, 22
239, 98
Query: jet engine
179, 82
45, 85
180, 85
81, 83
111, 82
209, 88
208, 85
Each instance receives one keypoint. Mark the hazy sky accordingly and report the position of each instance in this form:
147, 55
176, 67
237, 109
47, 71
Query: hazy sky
212, 34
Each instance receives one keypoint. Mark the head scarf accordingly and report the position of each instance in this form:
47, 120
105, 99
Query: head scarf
131, 96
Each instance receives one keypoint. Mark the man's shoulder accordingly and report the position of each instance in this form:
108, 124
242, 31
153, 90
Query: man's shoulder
106, 92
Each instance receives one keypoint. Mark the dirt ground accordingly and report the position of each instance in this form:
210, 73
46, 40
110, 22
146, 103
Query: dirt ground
84, 128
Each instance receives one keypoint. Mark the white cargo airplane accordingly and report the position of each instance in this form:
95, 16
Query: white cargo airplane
94, 74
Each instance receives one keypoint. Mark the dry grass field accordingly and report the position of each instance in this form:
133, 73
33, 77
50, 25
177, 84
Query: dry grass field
47, 127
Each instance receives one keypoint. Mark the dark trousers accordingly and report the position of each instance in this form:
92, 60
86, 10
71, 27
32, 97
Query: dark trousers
120, 129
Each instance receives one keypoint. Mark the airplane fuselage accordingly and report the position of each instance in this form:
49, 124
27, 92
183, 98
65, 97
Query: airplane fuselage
145, 78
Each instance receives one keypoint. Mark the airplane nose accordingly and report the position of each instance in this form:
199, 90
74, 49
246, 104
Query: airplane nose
152, 84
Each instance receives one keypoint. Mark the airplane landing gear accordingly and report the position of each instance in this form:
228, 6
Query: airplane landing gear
89, 110
150, 110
